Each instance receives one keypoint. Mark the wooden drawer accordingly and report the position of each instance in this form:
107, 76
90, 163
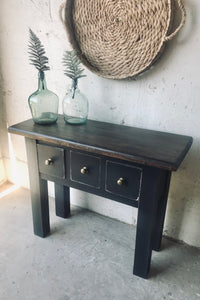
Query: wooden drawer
51, 161
123, 180
85, 169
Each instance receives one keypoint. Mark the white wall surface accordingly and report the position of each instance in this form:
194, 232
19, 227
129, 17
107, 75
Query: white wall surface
2, 169
166, 98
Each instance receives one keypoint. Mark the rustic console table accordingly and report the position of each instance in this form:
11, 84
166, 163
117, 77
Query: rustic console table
129, 165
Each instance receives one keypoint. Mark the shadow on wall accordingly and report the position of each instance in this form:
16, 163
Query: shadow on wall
182, 220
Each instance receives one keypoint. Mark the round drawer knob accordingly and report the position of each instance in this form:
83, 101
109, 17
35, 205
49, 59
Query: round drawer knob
84, 170
48, 162
120, 181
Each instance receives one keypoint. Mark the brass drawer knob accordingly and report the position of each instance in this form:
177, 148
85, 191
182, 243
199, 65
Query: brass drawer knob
120, 181
48, 162
84, 170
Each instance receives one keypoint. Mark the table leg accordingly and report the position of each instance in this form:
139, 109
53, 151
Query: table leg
39, 192
62, 201
160, 215
146, 217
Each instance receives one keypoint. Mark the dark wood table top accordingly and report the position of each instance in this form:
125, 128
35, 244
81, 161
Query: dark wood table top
147, 147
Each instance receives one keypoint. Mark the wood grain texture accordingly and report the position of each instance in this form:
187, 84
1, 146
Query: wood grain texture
147, 147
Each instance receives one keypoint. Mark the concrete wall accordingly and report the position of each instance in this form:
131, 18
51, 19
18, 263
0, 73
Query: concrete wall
2, 169
166, 98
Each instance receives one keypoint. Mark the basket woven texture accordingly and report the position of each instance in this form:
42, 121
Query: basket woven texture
120, 38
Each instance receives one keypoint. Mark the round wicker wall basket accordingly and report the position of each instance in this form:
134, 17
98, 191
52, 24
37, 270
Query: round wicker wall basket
119, 38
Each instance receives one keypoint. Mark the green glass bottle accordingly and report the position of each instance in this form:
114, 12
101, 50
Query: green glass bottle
75, 106
43, 103
75, 103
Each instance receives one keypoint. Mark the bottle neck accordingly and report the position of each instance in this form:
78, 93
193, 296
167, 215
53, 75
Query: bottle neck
74, 87
41, 81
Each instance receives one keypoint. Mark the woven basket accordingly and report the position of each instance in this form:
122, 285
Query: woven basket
119, 38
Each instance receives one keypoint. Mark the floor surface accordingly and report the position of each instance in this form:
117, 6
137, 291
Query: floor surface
86, 257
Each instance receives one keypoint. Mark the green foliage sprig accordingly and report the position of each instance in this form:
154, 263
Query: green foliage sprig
37, 54
73, 70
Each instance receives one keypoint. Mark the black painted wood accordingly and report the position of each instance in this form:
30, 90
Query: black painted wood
92, 166
147, 209
57, 168
129, 175
88, 188
62, 201
101, 183
147, 147
39, 192
161, 209
143, 158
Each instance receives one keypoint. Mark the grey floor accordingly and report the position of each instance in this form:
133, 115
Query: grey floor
86, 257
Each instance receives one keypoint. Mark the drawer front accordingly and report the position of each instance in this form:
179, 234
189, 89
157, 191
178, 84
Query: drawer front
51, 161
123, 180
85, 169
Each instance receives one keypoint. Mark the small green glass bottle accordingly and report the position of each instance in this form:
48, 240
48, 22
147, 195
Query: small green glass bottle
75, 103
75, 106
43, 103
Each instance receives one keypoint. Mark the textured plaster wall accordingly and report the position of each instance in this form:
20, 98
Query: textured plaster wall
2, 169
165, 98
